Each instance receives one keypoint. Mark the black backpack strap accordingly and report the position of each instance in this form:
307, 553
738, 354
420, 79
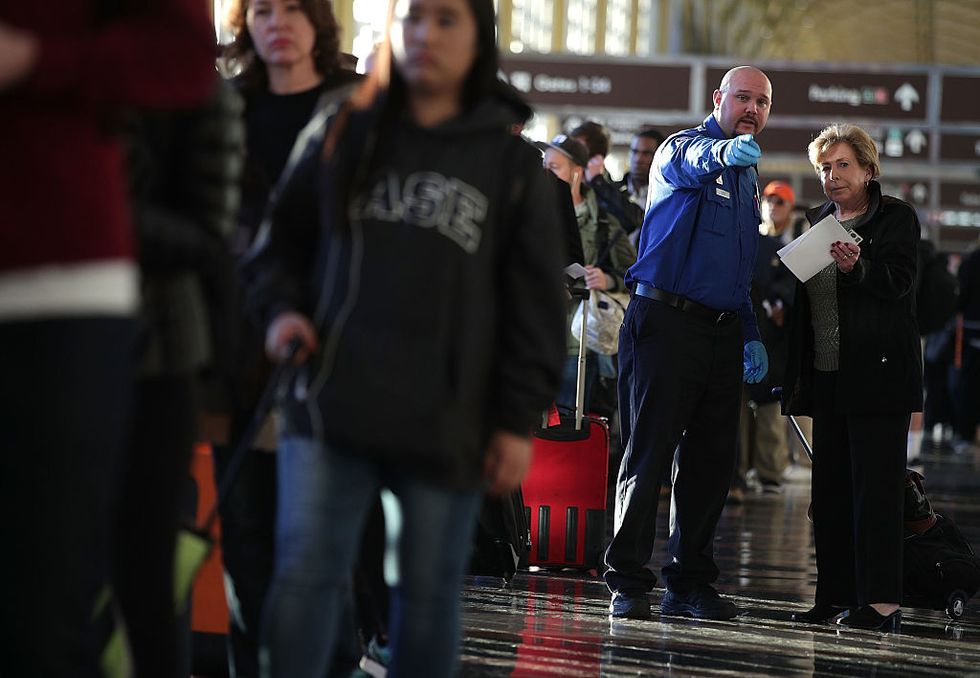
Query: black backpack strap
605, 243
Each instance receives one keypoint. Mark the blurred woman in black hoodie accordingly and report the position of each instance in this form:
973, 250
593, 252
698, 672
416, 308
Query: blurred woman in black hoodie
429, 300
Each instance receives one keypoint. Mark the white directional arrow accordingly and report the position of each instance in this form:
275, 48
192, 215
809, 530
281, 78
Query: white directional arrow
916, 141
906, 95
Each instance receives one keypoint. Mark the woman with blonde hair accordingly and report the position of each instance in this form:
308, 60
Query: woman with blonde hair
855, 366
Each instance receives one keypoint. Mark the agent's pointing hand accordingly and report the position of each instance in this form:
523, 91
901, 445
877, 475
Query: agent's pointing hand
742, 151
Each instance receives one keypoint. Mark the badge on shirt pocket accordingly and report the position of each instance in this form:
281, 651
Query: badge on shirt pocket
723, 193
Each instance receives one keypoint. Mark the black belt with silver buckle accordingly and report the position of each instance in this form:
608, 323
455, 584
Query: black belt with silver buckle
684, 304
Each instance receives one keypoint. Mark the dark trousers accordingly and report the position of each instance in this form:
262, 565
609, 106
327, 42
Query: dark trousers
938, 407
64, 402
966, 392
679, 388
248, 522
154, 479
371, 599
858, 490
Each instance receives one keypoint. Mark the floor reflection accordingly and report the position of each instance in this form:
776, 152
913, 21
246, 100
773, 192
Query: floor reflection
557, 623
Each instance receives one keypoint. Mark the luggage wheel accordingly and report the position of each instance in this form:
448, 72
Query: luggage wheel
956, 604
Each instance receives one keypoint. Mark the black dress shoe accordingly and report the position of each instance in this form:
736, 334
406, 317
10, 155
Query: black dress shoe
702, 602
866, 617
818, 614
629, 605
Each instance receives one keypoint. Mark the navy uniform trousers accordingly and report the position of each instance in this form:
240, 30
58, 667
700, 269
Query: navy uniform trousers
679, 388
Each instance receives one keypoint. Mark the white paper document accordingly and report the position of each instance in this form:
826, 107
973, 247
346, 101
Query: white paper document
810, 253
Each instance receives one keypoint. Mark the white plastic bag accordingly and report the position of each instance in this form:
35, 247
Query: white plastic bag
606, 312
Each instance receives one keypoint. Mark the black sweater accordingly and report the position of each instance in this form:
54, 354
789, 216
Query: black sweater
437, 294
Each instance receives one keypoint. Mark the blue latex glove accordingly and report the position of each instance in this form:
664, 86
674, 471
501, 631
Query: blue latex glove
755, 362
742, 151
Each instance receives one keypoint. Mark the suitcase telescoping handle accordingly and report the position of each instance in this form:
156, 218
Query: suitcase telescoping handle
585, 294
281, 374
778, 392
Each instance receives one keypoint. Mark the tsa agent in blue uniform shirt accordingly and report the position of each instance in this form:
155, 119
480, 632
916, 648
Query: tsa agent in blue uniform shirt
688, 340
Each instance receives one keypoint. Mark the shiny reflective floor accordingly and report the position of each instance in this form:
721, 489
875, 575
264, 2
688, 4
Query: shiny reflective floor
557, 623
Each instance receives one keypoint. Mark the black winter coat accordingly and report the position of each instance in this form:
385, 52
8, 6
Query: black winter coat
880, 354
184, 168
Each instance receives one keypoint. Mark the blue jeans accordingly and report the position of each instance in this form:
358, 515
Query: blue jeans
325, 494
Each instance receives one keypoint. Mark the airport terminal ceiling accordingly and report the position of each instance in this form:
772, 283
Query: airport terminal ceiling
871, 31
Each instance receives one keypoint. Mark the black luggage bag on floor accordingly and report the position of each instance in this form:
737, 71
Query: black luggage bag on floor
941, 571
503, 539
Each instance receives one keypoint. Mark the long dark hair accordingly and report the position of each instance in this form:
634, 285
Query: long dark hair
483, 74
240, 58
384, 83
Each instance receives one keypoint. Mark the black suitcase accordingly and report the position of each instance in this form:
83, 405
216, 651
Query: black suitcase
941, 571
503, 540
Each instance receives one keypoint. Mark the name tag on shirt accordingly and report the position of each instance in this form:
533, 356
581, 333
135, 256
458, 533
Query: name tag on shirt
723, 193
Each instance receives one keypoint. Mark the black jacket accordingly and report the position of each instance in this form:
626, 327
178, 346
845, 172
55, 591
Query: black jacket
437, 292
880, 354
614, 198
183, 170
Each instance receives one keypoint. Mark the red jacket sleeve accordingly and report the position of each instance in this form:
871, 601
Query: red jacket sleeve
155, 54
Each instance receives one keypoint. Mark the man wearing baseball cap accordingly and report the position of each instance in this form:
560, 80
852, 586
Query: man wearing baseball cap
778, 202
567, 159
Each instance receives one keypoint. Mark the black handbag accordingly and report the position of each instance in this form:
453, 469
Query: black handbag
919, 516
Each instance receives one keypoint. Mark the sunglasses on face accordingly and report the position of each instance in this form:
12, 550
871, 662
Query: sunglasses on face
774, 199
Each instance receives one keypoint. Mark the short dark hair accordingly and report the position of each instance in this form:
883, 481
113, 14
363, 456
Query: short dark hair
650, 133
596, 137
240, 55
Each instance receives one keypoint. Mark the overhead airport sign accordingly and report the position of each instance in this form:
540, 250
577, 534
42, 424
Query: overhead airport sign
608, 85
960, 195
826, 94
960, 147
960, 99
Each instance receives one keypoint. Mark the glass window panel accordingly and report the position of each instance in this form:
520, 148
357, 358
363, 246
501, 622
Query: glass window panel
531, 25
580, 29
618, 14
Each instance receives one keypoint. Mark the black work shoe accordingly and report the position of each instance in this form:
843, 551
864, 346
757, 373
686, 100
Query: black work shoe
629, 605
820, 613
866, 617
702, 602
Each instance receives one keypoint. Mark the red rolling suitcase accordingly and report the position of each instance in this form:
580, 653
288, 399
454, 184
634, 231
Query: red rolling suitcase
566, 488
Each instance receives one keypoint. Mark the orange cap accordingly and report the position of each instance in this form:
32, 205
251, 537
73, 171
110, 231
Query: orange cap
781, 189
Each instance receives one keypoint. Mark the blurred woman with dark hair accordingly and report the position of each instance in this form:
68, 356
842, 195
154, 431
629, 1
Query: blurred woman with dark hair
430, 305
283, 56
